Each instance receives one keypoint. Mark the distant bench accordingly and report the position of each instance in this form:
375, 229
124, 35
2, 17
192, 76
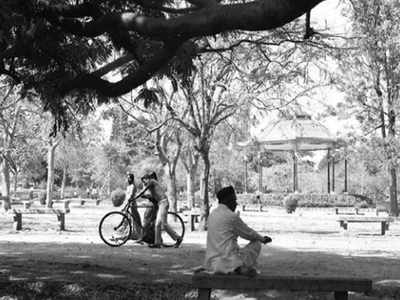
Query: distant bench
252, 207
354, 211
381, 209
81, 201
194, 217
343, 221
19, 212
205, 282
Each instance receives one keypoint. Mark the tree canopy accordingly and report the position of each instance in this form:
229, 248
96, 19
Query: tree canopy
75, 47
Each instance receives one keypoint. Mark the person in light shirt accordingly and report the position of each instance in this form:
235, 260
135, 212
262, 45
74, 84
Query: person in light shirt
223, 254
130, 197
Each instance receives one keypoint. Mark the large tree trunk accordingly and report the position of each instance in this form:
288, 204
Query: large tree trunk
15, 183
50, 173
5, 183
205, 204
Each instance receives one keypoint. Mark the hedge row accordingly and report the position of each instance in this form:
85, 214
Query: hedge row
304, 200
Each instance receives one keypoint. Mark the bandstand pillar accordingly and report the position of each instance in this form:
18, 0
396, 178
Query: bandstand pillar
328, 158
295, 172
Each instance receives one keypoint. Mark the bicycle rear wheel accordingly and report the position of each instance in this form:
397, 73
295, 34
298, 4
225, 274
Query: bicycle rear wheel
115, 228
175, 223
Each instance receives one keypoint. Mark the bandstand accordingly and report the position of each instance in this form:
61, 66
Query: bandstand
295, 135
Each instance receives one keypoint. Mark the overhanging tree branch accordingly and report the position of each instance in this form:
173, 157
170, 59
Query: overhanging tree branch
123, 86
252, 16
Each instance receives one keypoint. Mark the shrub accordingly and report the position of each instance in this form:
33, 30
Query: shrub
291, 202
362, 204
117, 197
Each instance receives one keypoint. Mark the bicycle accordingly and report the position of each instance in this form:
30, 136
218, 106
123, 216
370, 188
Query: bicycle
116, 228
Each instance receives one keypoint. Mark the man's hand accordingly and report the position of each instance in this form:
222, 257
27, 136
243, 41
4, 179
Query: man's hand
266, 240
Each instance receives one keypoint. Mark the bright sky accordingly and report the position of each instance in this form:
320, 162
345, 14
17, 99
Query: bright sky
327, 17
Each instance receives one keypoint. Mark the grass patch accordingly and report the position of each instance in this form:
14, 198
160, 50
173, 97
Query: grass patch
67, 290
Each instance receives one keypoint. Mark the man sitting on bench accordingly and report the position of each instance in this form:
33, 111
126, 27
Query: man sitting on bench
223, 254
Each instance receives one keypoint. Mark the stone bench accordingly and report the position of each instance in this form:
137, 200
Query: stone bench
29, 203
205, 282
14, 201
384, 222
19, 212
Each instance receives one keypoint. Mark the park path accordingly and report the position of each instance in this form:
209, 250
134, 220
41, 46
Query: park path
301, 246
90, 260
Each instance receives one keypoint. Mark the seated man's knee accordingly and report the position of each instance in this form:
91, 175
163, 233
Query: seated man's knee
257, 246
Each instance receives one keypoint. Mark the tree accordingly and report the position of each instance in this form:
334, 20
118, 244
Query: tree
64, 47
161, 130
16, 117
373, 91
9, 118
73, 155
210, 99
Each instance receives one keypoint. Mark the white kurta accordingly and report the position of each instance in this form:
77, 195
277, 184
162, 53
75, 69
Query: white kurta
223, 253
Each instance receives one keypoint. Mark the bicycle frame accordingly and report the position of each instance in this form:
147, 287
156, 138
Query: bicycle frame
127, 211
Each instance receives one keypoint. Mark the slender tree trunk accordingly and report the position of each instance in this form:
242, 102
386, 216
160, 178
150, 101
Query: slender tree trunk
63, 182
190, 192
190, 161
171, 187
5, 183
394, 209
109, 179
205, 205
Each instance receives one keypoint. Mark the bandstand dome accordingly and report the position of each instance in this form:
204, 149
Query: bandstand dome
297, 134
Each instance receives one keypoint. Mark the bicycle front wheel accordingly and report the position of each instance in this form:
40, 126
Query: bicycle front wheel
176, 229
115, 228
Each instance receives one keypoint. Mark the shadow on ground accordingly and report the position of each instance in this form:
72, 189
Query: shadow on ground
96, 271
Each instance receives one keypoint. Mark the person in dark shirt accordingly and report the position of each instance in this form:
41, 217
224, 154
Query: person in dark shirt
159, 196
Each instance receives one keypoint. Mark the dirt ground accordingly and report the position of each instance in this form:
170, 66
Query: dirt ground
43, 263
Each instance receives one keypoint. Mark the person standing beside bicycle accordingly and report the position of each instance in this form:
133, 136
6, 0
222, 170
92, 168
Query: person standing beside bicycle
152, 185
130, 197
